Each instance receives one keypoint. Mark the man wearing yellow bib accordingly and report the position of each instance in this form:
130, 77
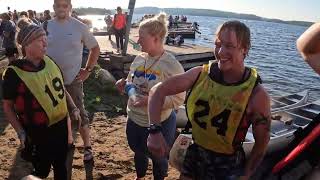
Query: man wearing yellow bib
35, 104
224, 99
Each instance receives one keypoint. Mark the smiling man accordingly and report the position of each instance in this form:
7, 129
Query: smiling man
66, 38
225, 98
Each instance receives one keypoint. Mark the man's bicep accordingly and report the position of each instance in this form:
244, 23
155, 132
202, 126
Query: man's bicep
261, 116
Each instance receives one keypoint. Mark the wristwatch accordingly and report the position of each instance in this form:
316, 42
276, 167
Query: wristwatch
89, 69
154, 128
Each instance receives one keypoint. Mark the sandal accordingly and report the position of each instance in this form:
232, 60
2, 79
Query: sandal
88, 155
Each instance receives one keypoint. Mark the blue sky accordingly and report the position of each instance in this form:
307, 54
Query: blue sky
304, 10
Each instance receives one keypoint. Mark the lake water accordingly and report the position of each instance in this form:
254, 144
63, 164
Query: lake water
273, 53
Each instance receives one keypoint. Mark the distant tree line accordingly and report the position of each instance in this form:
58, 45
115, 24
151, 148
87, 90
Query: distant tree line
192, 12
92, 11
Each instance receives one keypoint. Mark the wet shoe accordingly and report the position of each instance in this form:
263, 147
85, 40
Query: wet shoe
88, 155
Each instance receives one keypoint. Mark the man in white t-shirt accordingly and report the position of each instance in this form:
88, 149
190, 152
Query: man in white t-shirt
66, 38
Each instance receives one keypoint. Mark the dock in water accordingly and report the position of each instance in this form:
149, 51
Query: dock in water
189, 55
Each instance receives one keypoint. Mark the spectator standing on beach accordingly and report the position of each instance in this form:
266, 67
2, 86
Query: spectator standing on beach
225, 99
119, 25
152, 66
41, 18
15, 16
9, 31
108, 20
32, 17
170, 19
36, 16
35, 103
66, 38
47, 15
23, 14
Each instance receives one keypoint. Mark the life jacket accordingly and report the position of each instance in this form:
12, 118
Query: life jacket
216, 111
119, 21
47, 87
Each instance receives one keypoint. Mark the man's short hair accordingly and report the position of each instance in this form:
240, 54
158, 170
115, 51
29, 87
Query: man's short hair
68, 1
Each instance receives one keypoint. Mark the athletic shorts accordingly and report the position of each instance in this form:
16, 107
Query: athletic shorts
75, 89
203, 164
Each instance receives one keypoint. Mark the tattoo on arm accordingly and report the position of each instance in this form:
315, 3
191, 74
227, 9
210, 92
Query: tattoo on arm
259, 119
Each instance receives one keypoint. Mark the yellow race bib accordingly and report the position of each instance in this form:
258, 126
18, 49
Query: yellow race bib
47, 87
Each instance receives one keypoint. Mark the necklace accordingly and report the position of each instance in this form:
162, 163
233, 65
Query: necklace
147, 77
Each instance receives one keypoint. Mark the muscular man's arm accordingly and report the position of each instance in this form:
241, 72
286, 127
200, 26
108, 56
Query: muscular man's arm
93, 57
259, 113
308, 45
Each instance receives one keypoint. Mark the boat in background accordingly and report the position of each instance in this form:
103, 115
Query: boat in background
284, 124
290, 101
278, 103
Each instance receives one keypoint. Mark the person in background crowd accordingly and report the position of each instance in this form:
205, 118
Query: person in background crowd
47, 15
23, 14
41, 18
170, 19
32, 17
225, 98
9, 31
36, 16
152, 66
108, 20
119, 25
15, 16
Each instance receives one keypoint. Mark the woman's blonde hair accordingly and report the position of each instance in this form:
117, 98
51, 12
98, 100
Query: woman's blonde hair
156, 26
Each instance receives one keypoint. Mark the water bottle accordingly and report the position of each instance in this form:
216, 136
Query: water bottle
130, 90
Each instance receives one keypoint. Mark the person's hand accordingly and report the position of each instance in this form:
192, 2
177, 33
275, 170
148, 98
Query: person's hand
120, 84
157, 145
82, 75
139, 101
76, 116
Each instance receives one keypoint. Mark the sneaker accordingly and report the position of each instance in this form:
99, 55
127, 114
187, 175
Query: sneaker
88, 155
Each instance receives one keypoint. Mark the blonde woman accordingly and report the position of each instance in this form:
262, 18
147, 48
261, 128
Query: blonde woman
152, 66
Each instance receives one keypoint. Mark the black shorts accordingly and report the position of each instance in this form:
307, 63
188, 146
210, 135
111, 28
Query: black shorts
203, 164
10, 52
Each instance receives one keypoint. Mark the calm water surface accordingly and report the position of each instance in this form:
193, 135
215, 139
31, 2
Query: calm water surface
273, 53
